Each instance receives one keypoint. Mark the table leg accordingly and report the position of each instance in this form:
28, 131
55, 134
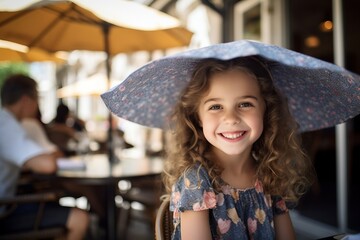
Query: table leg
111, 212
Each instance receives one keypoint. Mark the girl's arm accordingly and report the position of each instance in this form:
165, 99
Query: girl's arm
283, 227
195, 225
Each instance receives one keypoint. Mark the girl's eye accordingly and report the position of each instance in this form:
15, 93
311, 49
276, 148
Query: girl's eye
245, 105
215, 107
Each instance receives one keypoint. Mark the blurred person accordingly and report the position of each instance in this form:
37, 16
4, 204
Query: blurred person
65, 117
59, 132
19, 99
76, 123
36, 130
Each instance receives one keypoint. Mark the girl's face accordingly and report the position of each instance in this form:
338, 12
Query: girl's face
231, 112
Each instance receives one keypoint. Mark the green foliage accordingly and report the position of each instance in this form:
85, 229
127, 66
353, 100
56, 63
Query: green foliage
7, 69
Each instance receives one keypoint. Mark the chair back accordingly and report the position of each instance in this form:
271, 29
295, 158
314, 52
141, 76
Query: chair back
145, 190
164, 226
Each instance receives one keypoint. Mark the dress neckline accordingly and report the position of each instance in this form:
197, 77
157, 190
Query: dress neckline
257, 186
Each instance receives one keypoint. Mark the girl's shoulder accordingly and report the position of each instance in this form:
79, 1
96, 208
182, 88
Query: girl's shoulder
197, 169
195, 176
193, 191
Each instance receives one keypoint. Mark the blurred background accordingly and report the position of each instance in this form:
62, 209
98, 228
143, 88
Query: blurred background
77, 78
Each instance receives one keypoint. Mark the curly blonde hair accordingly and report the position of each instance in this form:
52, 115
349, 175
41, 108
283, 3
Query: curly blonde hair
282, 166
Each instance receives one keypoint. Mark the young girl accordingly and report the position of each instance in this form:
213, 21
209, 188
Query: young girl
236, 161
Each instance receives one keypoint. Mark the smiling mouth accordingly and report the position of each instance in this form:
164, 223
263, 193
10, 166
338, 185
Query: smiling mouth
232, 136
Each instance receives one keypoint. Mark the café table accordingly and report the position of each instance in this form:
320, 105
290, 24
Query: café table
95, 169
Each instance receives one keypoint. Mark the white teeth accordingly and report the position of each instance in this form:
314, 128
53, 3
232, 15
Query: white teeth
233, 135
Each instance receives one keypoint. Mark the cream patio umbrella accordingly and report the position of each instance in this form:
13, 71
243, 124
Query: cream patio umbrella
92, 86
13, 52
112, 26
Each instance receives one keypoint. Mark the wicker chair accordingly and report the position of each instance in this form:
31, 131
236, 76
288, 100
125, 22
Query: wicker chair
35, 233
164, 222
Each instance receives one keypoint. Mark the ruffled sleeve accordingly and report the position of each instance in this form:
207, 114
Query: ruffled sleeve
279, 205
193, 191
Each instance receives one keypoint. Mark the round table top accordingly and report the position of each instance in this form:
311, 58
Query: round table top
97, 168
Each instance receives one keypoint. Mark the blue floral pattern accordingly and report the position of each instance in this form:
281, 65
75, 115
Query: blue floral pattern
234, 213
320, 94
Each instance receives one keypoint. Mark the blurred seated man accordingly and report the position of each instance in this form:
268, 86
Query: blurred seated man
19, 99
36, 130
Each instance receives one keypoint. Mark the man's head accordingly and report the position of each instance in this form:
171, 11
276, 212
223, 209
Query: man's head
20, 90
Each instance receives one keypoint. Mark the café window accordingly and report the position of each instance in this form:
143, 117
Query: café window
252, 20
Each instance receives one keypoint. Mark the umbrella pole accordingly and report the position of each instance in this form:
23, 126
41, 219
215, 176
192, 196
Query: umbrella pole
110, 144
341, 131
111, 209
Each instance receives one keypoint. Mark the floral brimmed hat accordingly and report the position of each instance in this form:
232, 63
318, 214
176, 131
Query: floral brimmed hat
320, 94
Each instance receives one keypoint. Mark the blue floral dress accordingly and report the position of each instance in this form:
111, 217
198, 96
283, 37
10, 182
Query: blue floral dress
234, 213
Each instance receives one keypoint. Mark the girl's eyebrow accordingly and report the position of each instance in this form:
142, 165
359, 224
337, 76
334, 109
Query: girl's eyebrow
212, 100
241, 98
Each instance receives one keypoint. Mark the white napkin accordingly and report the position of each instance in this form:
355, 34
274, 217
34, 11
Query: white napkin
70, 164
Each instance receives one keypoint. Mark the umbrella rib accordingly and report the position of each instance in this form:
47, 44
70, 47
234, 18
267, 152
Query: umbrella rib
48, 28
80, 16
14, 17
87, 19
60, 15
104, 25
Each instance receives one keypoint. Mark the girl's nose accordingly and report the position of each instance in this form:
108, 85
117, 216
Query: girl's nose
231, 117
